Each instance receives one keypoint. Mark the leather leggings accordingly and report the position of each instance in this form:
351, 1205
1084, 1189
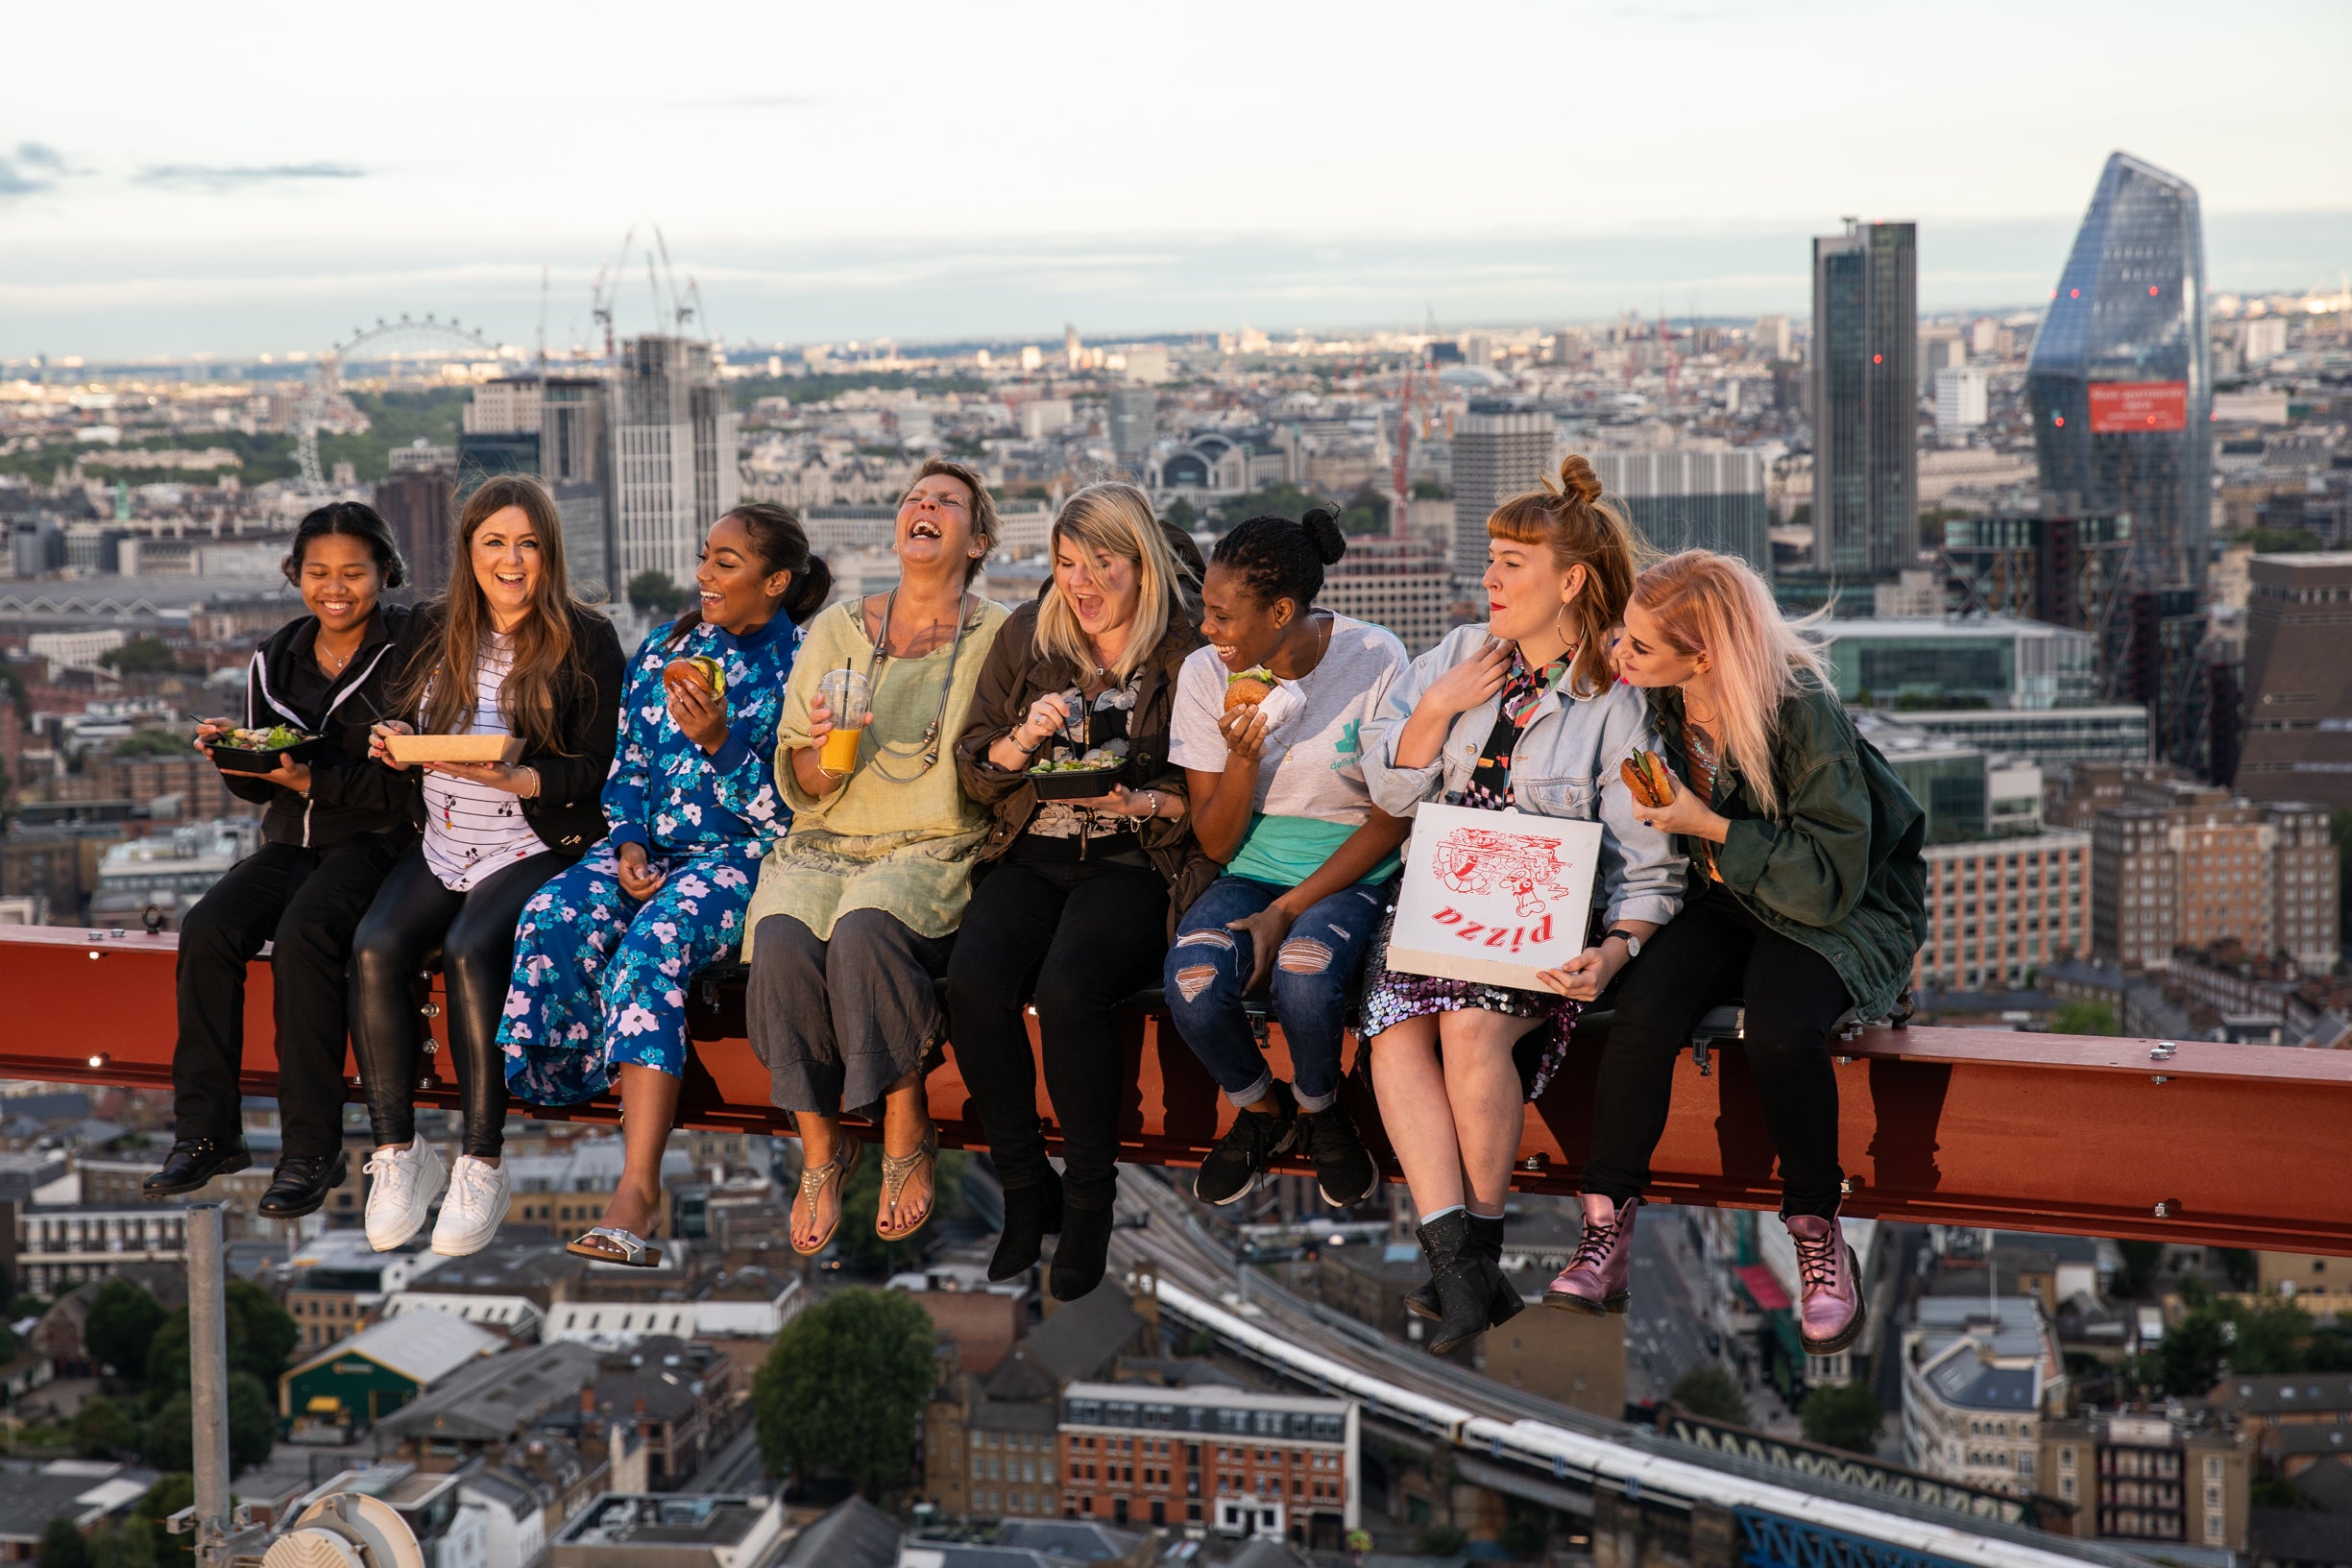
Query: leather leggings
414, 917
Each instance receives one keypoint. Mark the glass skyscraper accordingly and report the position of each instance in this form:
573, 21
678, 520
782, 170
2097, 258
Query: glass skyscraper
1866, 400
2121, 382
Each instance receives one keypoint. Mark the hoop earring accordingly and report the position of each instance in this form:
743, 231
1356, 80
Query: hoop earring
1558, 623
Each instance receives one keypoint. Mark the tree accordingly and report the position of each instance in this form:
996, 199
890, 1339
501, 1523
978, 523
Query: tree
142, 656
261, 1337
150, 742
171, 1436
1180, 512
104, 1430
166, 1498
2079, 1017
121, 1326
252, 1424
842, 1389
2138, 1275
1710, 1393
62, 1546
2268, 1338
132, 1544
2239, 1267
1439, 1541
2193, 1354
863, 1251
653, 593
1846, 1415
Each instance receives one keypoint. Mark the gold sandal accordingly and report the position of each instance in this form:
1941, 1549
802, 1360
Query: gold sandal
896, 1170
812, 1180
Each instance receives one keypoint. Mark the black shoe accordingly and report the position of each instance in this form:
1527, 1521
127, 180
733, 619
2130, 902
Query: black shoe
1031, 1214
194, 1161
1469, 1287
1487, 1236
1257, 1138
300, 1183
1343, 1170
1079, 1256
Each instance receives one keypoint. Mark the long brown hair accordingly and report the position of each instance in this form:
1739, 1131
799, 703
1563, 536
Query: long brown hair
1581, 527
1718, 606
443, 686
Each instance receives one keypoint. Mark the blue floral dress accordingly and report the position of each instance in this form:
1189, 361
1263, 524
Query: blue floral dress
600, 979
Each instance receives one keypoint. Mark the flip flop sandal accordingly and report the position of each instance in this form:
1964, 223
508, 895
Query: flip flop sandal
610, 1244
812, 1180
896, 1170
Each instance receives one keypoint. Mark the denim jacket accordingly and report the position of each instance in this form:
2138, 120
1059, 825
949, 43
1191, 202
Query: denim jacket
1565, 765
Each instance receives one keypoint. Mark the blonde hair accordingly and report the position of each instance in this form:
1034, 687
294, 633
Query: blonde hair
1111, 519
1583, 527
1717, 605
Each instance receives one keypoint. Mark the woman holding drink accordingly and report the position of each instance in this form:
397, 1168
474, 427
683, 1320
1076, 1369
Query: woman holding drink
858, 902
1521, 714
605, 954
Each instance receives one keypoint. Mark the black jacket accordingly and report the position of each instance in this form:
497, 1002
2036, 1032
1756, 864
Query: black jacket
568, 813
349, 795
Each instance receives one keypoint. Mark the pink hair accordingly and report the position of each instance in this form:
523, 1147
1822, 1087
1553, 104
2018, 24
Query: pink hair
1716, 605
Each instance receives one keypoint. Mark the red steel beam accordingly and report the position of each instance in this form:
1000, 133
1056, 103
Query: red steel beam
2193, 1140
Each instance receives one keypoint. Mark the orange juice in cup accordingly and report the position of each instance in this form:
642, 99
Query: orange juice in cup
845, 692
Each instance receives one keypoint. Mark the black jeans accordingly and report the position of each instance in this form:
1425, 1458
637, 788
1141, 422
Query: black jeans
304, 902
474, 932
1712, 953
1087, 936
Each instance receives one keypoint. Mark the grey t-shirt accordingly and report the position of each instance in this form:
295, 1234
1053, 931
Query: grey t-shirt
1311, 792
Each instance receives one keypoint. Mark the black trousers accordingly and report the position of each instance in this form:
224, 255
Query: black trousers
1081, 938
413, 917
1712, 953
306, 902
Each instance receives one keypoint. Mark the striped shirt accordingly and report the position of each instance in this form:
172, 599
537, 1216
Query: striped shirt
471, 829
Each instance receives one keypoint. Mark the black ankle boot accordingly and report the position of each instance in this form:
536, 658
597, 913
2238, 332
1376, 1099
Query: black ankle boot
1487, 1236
1031, 1214
1079, 1256
1466, 1282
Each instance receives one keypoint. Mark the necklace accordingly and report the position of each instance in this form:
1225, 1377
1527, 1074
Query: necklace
1306, 683
927, 748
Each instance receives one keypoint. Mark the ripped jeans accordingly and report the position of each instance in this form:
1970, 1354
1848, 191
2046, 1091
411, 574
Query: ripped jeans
1311, 980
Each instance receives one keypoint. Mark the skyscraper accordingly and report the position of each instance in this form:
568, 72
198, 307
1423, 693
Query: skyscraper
673, 456
1685, 499
1134, 424
2120, 381
1501, 449
1865, 346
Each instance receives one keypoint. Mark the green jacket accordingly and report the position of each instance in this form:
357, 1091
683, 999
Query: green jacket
1840, 870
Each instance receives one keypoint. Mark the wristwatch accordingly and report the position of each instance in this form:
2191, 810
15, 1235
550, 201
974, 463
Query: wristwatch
1633, 943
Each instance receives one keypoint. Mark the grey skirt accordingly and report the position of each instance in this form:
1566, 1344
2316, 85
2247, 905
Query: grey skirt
838, 1022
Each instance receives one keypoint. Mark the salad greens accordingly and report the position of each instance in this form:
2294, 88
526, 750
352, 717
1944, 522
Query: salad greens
277, 738
1095, 760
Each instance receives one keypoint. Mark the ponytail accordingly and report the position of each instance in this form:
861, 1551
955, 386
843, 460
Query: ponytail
782, 544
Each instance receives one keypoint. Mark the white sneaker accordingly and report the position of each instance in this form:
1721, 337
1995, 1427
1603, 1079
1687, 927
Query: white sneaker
475, 1206
401, 1186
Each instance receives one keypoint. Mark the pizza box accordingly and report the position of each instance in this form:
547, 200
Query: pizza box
455, 748
1492, 897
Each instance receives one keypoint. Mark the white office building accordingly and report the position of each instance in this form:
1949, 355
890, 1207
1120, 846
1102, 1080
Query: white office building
1960, 398
674, 453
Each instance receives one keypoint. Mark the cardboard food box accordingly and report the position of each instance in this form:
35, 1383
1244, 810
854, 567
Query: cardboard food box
455, 748
1492, 897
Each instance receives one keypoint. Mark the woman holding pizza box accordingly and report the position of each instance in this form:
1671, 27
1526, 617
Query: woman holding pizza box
605, 954
1522, 712
514, 693
1812, 904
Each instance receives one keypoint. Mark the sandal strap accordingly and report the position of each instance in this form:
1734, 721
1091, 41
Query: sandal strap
631, 1244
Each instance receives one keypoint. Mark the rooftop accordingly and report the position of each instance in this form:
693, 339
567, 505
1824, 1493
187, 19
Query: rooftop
499, 1397
423, 1347
665, 1519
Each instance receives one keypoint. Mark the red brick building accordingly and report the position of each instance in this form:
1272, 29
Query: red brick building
1229, 1458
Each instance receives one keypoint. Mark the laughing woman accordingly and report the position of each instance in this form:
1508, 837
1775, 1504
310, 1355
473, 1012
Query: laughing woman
507, 653
859, 905
604, 953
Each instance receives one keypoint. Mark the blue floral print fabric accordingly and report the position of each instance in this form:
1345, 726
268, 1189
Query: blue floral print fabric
600, 979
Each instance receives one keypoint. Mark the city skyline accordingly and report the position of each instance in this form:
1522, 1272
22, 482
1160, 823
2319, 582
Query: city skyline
1277, 171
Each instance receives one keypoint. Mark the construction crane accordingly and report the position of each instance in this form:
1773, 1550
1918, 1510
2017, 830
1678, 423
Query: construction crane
1404, 445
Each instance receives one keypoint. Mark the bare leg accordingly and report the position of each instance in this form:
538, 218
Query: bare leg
648, 1108
906, 1123
820, 1140
1412, 1091
1481, 1084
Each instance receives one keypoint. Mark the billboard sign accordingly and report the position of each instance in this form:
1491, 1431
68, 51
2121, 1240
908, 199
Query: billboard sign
2118, 407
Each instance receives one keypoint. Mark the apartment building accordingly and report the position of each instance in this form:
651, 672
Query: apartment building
2143, 1477
2183, 865
2000, 908
60, 1246
1980, 1377
1239, 1461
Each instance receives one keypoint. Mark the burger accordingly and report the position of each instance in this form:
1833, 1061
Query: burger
706, 671
1645, 774
1249, 689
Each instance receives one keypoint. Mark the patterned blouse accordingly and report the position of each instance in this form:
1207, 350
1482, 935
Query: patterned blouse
663, 792
1523, 687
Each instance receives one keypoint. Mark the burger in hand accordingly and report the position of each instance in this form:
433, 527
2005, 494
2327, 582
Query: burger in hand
1249, 689
701, 671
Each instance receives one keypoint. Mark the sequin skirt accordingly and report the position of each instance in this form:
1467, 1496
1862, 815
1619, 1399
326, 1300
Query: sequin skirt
1391, 997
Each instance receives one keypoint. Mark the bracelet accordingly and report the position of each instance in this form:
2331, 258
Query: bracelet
534, 773
1153, 795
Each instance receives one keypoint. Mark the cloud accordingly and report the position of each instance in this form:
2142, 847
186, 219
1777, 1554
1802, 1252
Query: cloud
765, 100
30, 169
213, 176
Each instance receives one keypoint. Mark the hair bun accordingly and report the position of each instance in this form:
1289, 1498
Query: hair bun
1578, 480
1322, 530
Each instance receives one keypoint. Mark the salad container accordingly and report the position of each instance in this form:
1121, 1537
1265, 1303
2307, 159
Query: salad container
257, 751
1078, 778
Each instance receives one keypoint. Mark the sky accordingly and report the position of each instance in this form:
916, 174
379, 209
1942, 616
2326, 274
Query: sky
181, 181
